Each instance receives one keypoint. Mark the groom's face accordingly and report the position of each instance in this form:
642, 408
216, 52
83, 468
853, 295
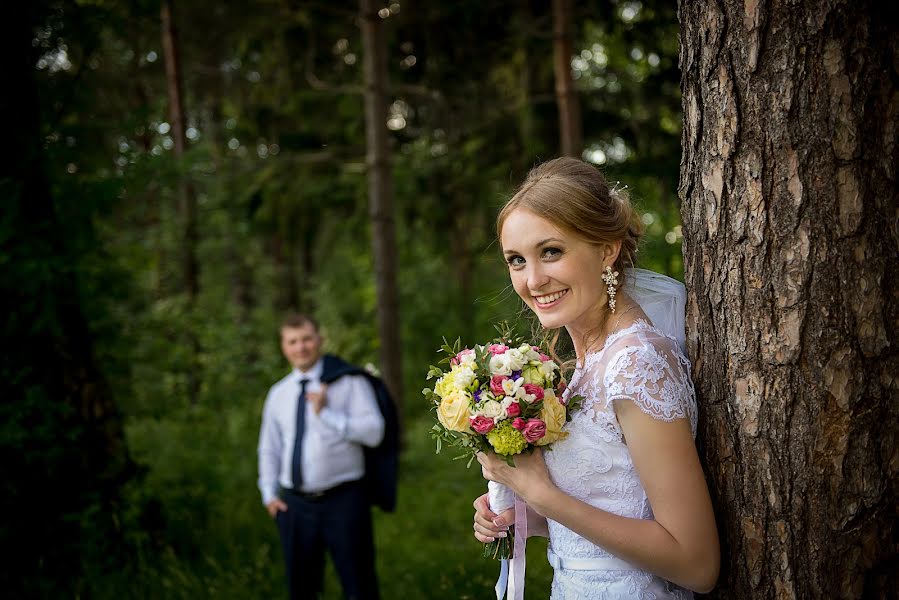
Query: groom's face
301, 346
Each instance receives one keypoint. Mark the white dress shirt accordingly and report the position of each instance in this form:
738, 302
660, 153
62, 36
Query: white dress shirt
333, 439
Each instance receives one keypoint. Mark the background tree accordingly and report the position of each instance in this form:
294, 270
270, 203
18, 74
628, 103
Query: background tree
380, 192
570, 133
61, 436
789, 204
187, 196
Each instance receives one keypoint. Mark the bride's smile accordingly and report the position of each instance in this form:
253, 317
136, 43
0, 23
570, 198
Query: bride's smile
549, 300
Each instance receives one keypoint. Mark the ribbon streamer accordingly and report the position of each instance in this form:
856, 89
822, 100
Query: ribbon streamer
511, 572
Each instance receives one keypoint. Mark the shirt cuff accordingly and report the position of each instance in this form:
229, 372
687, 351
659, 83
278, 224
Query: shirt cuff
334, 419
268, 495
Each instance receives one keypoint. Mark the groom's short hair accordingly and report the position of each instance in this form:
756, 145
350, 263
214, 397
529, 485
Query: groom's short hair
295, 320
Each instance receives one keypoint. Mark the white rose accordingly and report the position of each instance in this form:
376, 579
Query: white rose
467, 359
499, 365
492, 409
516, 359
464, 377
548, 368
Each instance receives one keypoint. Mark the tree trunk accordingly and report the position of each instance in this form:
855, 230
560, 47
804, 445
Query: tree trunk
789, 208
380, 195
566, 96
287, 286
187, 195
62, 444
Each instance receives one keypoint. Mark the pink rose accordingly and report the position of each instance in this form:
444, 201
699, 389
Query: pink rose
534, 389
482, 424
458, 358
513, 410
518, 423
544, 358
496, 385
533, 430
497, 349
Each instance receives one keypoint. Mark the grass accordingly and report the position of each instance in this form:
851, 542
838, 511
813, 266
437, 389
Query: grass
213, 538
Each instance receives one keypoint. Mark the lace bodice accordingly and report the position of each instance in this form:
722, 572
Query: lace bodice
638, 364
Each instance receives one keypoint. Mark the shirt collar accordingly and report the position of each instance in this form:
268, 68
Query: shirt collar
313, 374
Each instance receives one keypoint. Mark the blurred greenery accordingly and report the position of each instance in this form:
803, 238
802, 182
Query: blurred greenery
425, 550
276, 155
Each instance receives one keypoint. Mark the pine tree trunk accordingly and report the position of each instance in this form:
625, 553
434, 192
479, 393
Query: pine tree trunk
566, 96
790, 248
187, 194
62, 444
380, 195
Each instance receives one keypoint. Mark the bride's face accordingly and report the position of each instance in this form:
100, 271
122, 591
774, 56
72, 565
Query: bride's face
556, 274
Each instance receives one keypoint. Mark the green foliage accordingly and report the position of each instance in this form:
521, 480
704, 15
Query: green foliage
275, 156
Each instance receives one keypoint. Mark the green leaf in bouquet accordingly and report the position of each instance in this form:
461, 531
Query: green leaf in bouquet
574, 404
533, 409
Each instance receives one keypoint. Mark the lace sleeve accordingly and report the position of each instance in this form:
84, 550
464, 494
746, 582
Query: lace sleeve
656, 379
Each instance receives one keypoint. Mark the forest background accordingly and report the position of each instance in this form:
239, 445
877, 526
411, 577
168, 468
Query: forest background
184, 173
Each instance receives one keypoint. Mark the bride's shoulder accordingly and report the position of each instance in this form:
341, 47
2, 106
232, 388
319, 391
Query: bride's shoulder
643, 343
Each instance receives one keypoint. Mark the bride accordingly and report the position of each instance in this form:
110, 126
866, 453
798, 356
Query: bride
623, 498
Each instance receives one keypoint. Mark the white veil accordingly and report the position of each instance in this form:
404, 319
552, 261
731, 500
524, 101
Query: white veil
663, 299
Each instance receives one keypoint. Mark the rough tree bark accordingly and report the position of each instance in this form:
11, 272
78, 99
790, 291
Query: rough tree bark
187, 195
380, 195
788, 183
570, 135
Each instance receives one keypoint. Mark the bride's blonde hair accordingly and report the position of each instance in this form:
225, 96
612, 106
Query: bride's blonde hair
575, 197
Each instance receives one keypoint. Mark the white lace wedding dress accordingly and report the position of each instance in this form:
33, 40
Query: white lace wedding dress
642, 365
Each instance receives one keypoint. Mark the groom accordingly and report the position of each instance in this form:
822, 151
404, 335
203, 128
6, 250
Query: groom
312, 465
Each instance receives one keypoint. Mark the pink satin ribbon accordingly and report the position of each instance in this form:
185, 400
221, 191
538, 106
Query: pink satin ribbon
517, 569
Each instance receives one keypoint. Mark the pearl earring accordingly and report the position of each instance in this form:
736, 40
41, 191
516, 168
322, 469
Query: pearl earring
611, 280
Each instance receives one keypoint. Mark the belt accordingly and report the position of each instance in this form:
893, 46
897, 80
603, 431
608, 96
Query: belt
321, 495
605, 563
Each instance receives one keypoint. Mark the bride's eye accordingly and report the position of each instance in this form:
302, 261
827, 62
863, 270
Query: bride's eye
552, 253
515, 260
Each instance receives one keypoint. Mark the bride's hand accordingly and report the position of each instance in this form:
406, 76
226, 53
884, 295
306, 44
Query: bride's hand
487, 524
527, 477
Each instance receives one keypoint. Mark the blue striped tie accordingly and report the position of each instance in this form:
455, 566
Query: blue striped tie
297, 471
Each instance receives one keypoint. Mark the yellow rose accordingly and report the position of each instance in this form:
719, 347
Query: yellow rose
553, 414
452, 412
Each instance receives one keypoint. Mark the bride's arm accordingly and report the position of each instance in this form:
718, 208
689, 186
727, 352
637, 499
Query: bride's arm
680, 544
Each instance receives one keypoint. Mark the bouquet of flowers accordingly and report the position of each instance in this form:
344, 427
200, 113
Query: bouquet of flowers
504, 396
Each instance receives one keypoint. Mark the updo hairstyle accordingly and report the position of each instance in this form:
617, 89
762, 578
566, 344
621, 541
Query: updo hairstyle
575, 197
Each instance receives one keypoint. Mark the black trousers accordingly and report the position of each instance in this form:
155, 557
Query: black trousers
338, 522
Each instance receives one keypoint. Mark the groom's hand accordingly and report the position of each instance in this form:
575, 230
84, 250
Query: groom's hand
317, 399
275, 506
487, 524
